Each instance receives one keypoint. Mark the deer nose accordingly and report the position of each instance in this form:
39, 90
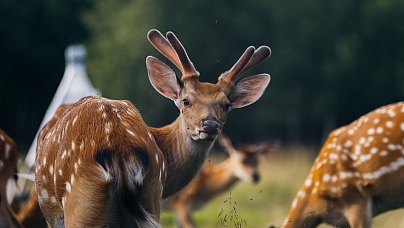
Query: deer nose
256, 177
210, 126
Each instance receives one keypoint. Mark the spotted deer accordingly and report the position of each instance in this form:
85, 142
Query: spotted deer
101, 165
242, 164
8, 163
358, 174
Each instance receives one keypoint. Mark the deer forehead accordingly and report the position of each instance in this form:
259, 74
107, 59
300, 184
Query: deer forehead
204, 91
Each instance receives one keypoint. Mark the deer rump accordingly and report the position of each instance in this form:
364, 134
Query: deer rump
102, 166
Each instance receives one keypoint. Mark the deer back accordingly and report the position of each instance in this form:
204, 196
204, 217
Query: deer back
102, 139
358, 174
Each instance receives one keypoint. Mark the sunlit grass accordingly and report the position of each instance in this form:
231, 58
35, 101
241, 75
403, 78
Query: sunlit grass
268, 202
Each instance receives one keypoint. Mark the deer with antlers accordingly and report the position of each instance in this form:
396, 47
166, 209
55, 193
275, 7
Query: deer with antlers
242, 164
101, 165
8, 164
358, 174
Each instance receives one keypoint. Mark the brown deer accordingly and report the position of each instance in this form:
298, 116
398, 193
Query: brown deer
8, 163
358, 174
101, 165
242, 164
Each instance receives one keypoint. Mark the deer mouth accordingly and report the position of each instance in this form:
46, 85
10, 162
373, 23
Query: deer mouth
207, 136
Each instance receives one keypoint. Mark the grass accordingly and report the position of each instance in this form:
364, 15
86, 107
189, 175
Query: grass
267, 203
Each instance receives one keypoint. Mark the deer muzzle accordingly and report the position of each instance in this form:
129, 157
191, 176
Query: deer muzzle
210, 127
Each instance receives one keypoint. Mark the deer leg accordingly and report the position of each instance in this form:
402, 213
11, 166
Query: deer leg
184, 217
359, 214
87, 204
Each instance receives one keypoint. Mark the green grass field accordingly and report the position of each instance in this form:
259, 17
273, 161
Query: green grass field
267, 203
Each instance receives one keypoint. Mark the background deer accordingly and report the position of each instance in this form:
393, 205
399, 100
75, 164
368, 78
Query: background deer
8, 164
242, 164
101, 165
358, 174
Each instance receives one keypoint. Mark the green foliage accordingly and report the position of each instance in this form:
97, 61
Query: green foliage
229, 217
266, 204
34, 35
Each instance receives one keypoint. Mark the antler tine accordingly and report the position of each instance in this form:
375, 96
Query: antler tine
260, 55
189, 70
164, 47
232, 75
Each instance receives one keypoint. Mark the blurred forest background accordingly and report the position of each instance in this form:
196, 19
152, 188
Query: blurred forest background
332, 61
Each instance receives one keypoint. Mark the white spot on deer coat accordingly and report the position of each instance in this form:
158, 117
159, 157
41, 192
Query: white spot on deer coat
294, 203
74, 120
326, 177
68, 187
7, 151
63, 154
308, 182
63, 201
348, 143
130, 132
373, 150
391, 113
389, 124
334, 178
391, 147
44, 194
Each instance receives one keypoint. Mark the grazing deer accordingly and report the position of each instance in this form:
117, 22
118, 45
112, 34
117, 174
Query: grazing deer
8, 164
101, 165
242, 164
358, 174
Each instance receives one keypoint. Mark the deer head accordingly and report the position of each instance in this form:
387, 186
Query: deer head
212, 102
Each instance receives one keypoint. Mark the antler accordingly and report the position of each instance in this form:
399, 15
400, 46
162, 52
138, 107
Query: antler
172, 48
248, 60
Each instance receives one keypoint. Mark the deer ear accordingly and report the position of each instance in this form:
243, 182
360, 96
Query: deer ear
249, 90
163, 78
226, 144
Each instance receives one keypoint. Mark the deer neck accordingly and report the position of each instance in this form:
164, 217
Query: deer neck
222, 176
183, 155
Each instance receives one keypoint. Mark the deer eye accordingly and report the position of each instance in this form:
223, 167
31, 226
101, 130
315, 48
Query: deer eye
226, 107
186, 102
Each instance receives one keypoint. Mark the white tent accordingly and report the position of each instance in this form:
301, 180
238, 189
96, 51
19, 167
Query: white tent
73, 86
